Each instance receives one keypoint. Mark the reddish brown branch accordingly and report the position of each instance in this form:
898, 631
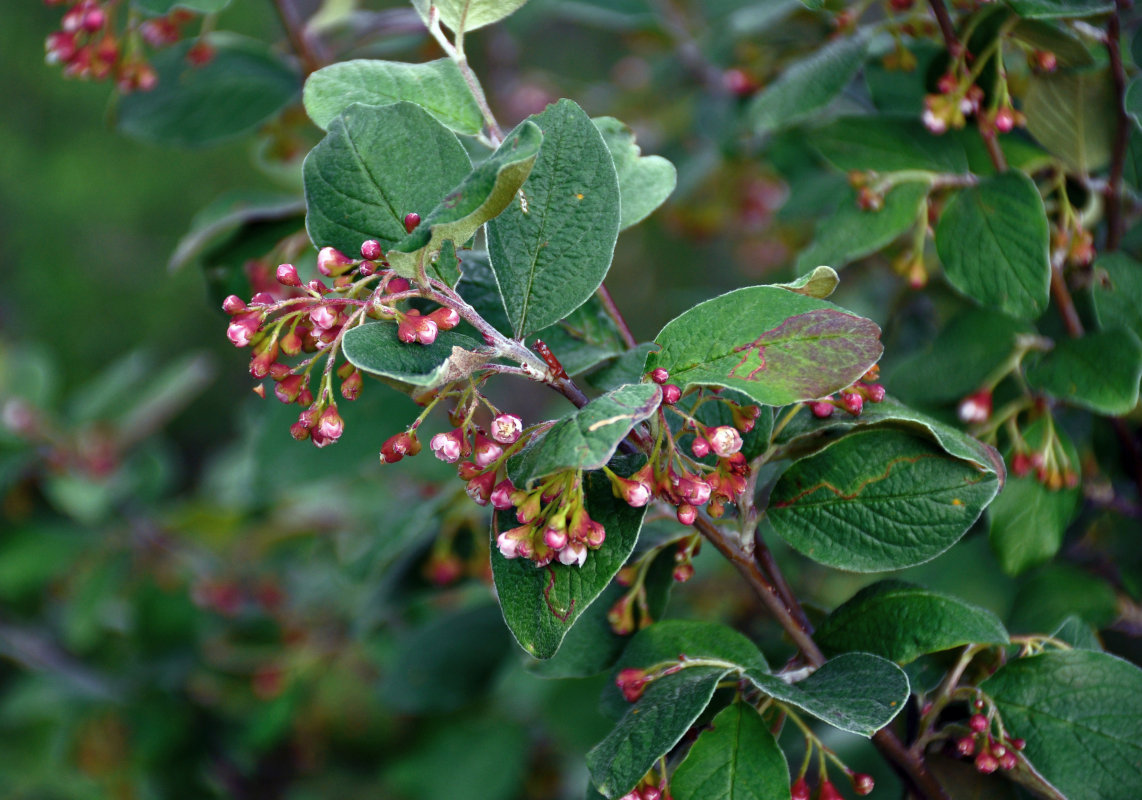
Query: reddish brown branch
947, 28
1066, 304
308, 50
616, 317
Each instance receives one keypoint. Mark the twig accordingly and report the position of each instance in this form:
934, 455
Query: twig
767, 562
907, 766
308, 49
947, 29
1114, 226
456, 53
1063, 298
616, 317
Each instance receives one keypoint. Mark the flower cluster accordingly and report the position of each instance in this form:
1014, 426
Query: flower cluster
990, 752
959, 97
851, 399
89, 46
554, 523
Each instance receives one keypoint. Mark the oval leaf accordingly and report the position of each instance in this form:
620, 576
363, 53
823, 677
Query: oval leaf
436, 86
540, 604
194, 106
376, 165
878, 500
736, 758
467, 15
776, 346
644, 181
587, 438
902, 621
886, 143
1081, 714
551, 250
375, 348
162, 7
1072, 115
1117, 292
1099, 371
993, 242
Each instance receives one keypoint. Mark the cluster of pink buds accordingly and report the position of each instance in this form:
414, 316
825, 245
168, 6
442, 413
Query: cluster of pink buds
851, 399
554, 523
976, 407
990, 752
648, 789
485, 471
89, 46
957, 99
1049, 462
862, 784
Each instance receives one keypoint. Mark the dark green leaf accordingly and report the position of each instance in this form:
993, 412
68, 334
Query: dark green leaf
376, 165
962, 781
436, 86
737, 758
163, 7
540, 604
856, 692
482, 195
219, 222
1069, 50
1057, 9
627, 368
477, 285
375, 348
1072, 115
195, 106
903, 621
773, 345
1081, 714
644, 181
878, 499
468, 15
993, 241
587, 438
808, 85
886, 144
1051, 594
584, 339
1117, 292
551, 257
851, 233
1099, 371
1077, 633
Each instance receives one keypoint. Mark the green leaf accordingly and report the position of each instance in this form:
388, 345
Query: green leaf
196, 106
1027, 522
878, 499
627, 368
375, 348
819, 283
1132, 101
886, 144
960, 358
1081, 714
1049, 595
477, 285
376, 165
644, 181
1099, 371
993, 240
1060, 9
736, 758
851, 233
482, 195
587, 438
164, 7
550, 258
808, 85
901, 622
1117, 292
855, 692
1069, 50
220, 222
1072, 115
776, 346
540, 604
1077, 633
467, 15
584, 339
436, 86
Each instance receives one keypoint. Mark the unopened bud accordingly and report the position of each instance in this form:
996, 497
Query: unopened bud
659, 375
986, 763
233, 305
700, 447
397, 285
863, 783
411, 220
480, 488
574, 554
287, 275
671, 394
821, 409
486, 452
976, 407
800, 789
852, 402
501, 497
687, 514
445, 318
371, 250
632, 683
332, 262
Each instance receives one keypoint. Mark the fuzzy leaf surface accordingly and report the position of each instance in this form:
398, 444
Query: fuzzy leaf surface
884, 143
902, 621
374, 166
808, 85
1117, 292
551, 257
878, 499
737, 758
540, 604
241, 87
468, 15
851, 233
375, 348
587, 438
993, 240
1099, 371
1081, 714
1054, 9
1071, 114
436, 86
855, 692
776, 346
644, 181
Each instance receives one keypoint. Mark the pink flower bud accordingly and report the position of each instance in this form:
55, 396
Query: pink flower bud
448, 447
683, 572
863, 783
829, 792
262, 299
242, 328
397, 447
1007, 761
852, 402
975, 407
632, 683
415, 328
261, 363
323, 317
332, 262
745, 417
371, 250
397, 285
636, 493
687, 514
978, 723
233, 305
299, 431
555, 538
445, 318
506, 428
291, 343
60, 47
671, 394
693, 490
574, 554
965, 746
411, 220
508, 542
486, 451
94, 20
287, 275
800, 789
986, 763
700, 447
659, 376
480, 488
650, 793
874, 392
501, 498
1017, 744
724, 440
352, 385
330, 426
288, 389
317, 286
821, 409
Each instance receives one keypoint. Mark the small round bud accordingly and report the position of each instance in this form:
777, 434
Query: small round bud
978, 723
397, 285
800, 789
330, 426
1007, 761
687, 514
1004, 120
671, 394
411, 220
700, 447
829, 792
874, 392
574, 554
986, 763
1017, 744
863, 783
975, 407
287, 275
332, 262
632, 683
659, 376
445, 318
821, 409
852, 402
501, 497
479, 489
650, 793
371, 250
486, 452
683, 572
965, 746
233, 305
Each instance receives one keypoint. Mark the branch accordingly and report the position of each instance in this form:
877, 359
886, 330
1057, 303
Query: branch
947, 29
308, 49
616, 317
1114, 226
1063, 298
